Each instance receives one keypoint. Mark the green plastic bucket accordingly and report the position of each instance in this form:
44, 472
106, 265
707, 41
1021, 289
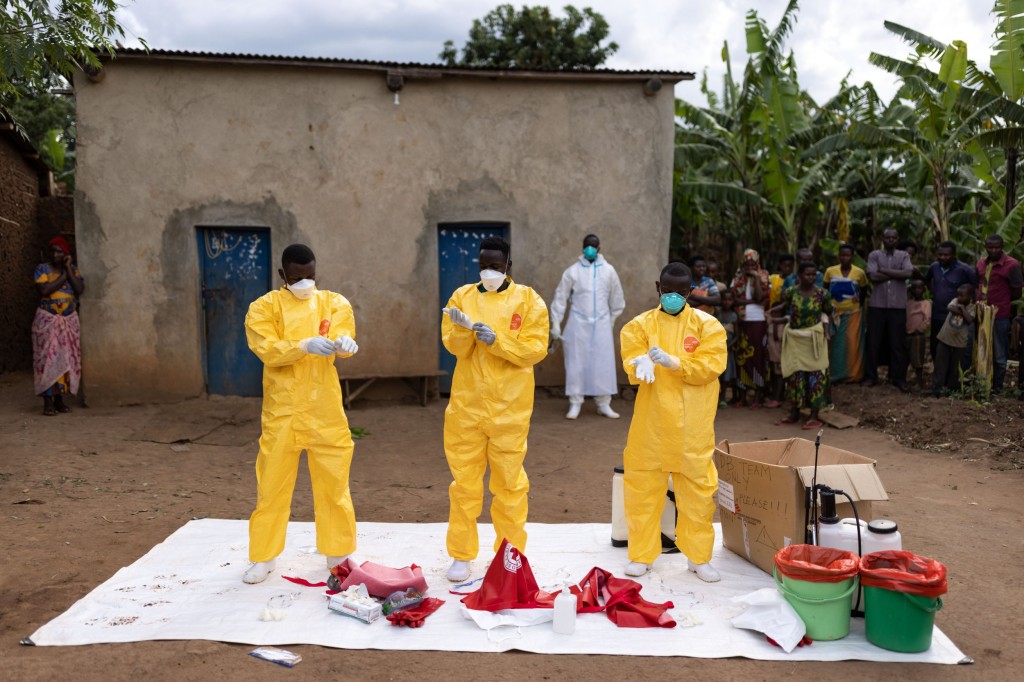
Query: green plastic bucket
898, 621
823, 607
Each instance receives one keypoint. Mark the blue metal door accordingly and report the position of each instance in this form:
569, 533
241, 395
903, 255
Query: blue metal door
458, 250
234, 270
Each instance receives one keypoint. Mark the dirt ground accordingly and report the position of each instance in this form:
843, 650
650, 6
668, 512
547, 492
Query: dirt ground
89, 492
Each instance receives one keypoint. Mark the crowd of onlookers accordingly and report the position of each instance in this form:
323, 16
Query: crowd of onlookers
795, 332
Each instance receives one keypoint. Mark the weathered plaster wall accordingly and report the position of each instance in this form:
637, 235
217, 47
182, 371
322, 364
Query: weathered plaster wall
324, 156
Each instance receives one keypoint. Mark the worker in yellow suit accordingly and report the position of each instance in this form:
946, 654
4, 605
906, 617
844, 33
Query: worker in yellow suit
297, 331
497, 330
675, 353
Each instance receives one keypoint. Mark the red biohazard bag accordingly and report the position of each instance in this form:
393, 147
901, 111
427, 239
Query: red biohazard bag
903, 572
508, 584
816, 564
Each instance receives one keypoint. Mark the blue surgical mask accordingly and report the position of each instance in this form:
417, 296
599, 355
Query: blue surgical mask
590, 253
672, 303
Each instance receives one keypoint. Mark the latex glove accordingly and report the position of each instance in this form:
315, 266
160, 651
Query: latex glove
664, 359
458, 317
556, 333
346, 344
317, 345
644, 368
484, 333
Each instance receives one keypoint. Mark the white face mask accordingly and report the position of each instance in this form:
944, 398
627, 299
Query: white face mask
303, 289
491, 279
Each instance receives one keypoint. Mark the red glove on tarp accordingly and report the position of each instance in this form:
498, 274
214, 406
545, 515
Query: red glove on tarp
415, 616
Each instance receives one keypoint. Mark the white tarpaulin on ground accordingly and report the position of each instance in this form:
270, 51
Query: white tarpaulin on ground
190, 587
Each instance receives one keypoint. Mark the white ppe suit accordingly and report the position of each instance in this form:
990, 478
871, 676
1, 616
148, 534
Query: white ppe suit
594, 296
488, 415
302, 410
673, 431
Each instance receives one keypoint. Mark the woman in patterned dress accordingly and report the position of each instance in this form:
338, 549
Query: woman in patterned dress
56, 356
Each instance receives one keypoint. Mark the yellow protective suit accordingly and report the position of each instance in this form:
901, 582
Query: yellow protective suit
302, 410
488, 415
673, 431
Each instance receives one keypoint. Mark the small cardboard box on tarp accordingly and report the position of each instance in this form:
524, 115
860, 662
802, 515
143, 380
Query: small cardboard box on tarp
761, 492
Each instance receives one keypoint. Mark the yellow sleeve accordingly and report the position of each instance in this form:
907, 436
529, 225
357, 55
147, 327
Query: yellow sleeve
459, 341
343, 320
707, 362
531, 345
262, 336
633, 341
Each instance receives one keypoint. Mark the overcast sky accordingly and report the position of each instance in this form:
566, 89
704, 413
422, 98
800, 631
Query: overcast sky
831, 37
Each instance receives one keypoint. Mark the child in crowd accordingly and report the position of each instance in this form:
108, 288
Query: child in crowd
712, 272
729, 319
953, 337
919, 315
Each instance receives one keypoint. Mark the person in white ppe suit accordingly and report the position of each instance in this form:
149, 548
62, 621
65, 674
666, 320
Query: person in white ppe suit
590, 288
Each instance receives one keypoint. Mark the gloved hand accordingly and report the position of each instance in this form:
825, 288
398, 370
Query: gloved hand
317, 345
484, 333
644, 368
664, 359
458, 317
346, 344
556, 333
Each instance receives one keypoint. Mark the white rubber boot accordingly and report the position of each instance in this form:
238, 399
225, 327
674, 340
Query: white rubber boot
604, 407
636, 569
458, 572
575, 405
705, 572
259, 571
333, 561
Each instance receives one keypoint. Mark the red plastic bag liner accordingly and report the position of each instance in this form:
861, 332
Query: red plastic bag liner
817, 564
620, 599
508, 584
905, 572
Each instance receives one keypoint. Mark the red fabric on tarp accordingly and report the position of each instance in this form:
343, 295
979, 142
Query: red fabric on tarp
380, 580
620, 599
905, 572
303, 582
508, 584
817, 564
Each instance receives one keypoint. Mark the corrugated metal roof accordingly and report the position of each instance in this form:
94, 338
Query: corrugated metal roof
403, 68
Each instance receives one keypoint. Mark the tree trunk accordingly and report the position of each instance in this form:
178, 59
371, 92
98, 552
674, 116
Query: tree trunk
941, 207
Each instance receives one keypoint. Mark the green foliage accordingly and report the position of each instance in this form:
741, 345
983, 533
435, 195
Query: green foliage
39, 39
531, 38
763, 165
1007, 61
48, 120
358, 432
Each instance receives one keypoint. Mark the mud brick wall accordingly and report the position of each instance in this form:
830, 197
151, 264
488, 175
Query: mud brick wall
20, 251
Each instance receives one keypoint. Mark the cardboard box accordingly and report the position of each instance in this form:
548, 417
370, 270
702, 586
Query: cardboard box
761, 492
